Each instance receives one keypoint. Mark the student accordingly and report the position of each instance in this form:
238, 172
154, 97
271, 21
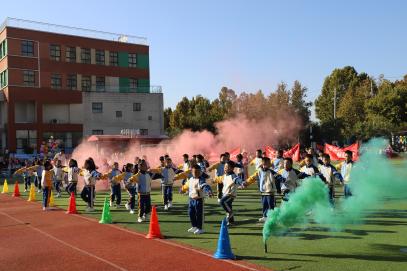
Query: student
168, 173
230, 183
90, 176
196, 186
200, 161
277, 165
309, 168
289, 178
27, 176
115, 187
257, 161
130, 187
73, 175
219, 172
265, 176
239, 166
58, 177
143, 181
346, 168
330, 174
39, 168
314, 157
185, 165
46, 182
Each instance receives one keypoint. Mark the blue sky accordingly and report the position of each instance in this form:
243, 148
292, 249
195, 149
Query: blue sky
196, 47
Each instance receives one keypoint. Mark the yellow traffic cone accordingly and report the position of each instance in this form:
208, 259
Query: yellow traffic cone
31, 196
51, 202
5, 187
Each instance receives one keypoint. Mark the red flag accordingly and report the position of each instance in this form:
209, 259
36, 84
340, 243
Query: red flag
234, 153
270, 152
337, 153
294, 153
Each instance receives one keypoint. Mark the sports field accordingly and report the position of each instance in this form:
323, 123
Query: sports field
380, 243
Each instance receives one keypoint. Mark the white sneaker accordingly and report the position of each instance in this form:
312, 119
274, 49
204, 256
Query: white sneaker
39, 191
170, 204
144, 218
132, 212
127, 206
25, 190
309, 213
89, 209
218, 200
45, 208
110, 204
165, 207
262, 219
118, 206
198, 231
193, 229
139, 220
58, 195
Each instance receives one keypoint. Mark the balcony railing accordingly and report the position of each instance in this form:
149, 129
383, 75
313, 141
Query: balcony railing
73, 31
122, 89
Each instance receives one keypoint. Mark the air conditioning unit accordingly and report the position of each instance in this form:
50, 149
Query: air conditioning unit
54, 121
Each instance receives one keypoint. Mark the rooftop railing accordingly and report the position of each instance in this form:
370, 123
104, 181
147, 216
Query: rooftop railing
73, 31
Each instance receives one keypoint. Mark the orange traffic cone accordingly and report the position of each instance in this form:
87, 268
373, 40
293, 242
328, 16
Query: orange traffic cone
154, 231
16, 190
72, 205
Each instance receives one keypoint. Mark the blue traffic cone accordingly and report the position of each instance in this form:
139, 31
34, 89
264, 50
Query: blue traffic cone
224, 250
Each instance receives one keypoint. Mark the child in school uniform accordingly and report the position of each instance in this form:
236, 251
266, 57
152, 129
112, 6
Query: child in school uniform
130, 187
58, 177
90, 176
219, 172
200, 161
257, 161
115, 187
229, 192
39, 168
266, 177
46, 182
330, 174
239, 166
196, 187
346, 168
310, 169
143, 181
168, 173
73, 175
289, 178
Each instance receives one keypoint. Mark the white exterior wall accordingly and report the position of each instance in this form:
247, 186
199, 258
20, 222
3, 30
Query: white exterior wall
151, 105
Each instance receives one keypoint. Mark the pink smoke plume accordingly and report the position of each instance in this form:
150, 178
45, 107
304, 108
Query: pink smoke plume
238, 132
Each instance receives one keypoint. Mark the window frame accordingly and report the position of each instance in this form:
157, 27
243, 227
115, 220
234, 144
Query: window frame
96, 109
114, 55
55, 79
55, 52
89, 87
132, 60
97, 132
69, 81
86, 56
119, 114
133, 84
70, 54
136, 107
25, 48
100, 87
98, 57
31, 75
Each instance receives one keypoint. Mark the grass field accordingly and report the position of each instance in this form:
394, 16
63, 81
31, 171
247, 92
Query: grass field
377, 244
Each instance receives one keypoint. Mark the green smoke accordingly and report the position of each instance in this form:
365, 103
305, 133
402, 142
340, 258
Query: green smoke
373, 179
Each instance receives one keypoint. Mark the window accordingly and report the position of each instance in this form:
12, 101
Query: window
143, 131
70, 54
71, 82
133, 84
97, 107
97, 132
132, 60
3, 48
3, 79
100, 57
26, 140
114, 58
27, 48
86, 83
55, 52
56, 81
136, 106
100, 84
85, 55
150, 117
119, 114
29, 78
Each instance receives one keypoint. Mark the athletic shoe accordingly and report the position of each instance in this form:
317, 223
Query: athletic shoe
144, 218
218, 200
45, 208
165, 207
127, 206
170, 204
262, 219
139, 220
89, 209
309, 213
132, 212
110, 203
198, 231
58, 195
118, 206
39, 191
25, 190
193, 229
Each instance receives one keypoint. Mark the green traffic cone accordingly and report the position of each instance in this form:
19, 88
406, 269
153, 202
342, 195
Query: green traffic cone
106, 216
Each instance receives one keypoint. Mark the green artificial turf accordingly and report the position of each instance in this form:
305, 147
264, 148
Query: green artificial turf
376, 244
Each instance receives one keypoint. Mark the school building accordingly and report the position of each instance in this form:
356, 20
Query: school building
69, 83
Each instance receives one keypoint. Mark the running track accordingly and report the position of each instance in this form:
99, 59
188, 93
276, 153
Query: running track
31, 239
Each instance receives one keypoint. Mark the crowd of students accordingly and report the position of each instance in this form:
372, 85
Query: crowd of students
273, 177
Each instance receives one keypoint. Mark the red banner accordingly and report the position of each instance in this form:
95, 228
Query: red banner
294, 152
214, 157
337, 153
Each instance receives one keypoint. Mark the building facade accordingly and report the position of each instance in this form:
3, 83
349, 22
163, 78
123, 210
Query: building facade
67, 83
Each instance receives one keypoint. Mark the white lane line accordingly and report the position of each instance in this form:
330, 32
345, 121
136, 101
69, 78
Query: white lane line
65, 243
